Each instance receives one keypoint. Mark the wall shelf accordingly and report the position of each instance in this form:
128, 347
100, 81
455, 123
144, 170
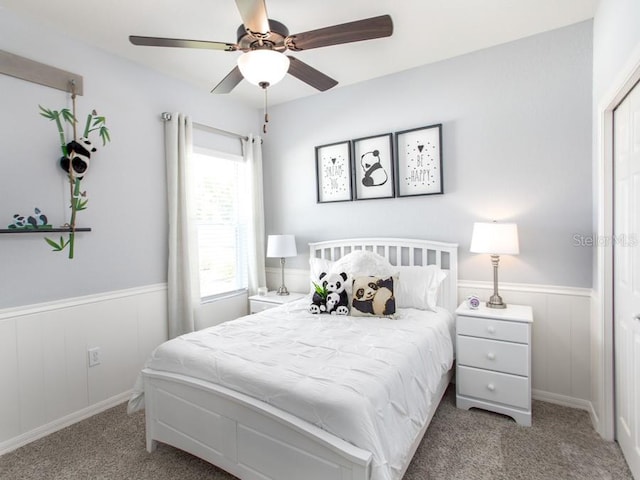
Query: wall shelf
43, 230
40, 73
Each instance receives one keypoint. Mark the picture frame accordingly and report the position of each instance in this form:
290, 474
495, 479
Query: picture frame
373, 167
333, 172
419, 161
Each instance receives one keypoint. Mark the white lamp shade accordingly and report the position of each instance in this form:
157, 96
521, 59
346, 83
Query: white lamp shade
281, 246
495, 238
267, 66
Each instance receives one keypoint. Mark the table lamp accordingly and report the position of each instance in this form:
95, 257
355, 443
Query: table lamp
495, 239
281, 246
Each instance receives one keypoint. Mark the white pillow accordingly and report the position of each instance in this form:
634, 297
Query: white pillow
417, 287
363, 263
359, 263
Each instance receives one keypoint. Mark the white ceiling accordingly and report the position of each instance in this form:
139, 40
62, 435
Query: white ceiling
425, 31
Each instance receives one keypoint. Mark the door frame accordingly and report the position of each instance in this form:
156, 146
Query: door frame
603, 362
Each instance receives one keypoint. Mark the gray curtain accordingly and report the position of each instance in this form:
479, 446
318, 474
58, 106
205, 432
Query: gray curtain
183, 287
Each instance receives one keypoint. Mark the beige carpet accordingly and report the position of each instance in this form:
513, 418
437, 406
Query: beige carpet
459, 445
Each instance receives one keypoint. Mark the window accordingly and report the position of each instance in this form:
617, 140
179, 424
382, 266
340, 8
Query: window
221, 204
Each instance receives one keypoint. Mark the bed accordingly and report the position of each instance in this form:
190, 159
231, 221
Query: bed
248, 422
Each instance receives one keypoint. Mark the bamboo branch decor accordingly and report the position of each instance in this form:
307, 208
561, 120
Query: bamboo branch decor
76, 156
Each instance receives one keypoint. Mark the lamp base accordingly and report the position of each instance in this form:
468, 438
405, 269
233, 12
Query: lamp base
282, 291
495, 301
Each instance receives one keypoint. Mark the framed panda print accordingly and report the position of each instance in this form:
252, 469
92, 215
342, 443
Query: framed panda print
333, 172
373, 167
419, 161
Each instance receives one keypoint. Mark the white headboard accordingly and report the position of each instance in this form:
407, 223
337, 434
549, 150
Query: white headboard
402, 251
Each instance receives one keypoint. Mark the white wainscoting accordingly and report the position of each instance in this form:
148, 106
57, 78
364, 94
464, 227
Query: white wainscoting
296, 280
561, 344
221, 310
46, 380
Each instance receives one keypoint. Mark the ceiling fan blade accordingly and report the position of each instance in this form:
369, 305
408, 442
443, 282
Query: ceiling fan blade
181, 43
254, 17
310, 75
367, 29
228, 83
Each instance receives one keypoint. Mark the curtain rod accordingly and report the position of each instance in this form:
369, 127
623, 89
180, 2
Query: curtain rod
167, 116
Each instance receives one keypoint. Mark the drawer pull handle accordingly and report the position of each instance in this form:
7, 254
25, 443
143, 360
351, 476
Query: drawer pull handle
491, 356
491, 387
491, 329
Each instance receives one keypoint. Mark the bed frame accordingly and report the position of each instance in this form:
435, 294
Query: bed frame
255, 441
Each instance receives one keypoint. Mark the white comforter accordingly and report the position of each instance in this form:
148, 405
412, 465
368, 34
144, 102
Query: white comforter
366, 380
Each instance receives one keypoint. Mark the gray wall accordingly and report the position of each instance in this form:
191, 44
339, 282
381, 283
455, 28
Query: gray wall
615, 35
517, 147
126, 182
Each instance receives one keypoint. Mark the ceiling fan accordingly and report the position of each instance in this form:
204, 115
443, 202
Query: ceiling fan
264, 42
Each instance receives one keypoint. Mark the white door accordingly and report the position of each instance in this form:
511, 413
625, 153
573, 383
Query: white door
626, 252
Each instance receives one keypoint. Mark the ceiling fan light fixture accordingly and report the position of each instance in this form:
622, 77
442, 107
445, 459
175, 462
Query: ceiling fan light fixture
263, 66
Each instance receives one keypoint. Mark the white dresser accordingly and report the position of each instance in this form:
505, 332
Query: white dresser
493, 360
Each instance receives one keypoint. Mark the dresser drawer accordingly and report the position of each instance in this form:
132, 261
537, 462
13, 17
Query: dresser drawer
494, 386
493, 355
494, 329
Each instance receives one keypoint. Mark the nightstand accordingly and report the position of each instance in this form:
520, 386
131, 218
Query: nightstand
258, 303
493, 360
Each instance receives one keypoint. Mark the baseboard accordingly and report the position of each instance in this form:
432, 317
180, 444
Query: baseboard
563, 400
60, 423
595, 421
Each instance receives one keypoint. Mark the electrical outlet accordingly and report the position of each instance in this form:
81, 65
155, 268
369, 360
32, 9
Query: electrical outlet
94, 356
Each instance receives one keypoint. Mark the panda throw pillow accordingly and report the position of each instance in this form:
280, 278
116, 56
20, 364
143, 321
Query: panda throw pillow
373, 296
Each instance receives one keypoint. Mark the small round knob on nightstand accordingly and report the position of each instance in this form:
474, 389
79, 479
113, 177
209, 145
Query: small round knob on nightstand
491, 387
491, 329
491, 356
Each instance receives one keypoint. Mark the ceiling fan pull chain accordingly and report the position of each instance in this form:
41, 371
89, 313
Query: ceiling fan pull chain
264, 86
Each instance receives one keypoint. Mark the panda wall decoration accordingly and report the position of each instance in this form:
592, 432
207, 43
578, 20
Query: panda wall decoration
373, 167
76, 156
374, 173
